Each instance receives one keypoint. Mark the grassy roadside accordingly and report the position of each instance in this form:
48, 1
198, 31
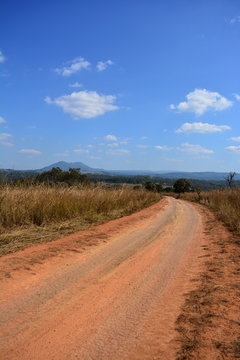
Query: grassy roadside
37, 214
209, 322
225, 204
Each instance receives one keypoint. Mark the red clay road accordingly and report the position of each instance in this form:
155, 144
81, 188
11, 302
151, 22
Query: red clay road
114, 301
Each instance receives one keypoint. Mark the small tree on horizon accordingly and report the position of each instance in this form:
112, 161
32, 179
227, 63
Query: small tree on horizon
230, 178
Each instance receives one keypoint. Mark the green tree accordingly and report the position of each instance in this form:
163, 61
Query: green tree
181, 186
150, 186
70, 177
159, 187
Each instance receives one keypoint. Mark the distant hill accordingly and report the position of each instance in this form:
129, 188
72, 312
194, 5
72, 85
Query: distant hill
199, 175
65, 166
218, 176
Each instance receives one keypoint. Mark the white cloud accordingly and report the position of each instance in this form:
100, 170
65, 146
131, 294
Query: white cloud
102, 65
29, 152
2, 57
194, 149
237, 97
162, 147
4, 139
142, 146
82, 151
110, 138
236, 138
234, 20
2, 120
233, 148
84, 104
118, 152
199, 127
143, 138
90, 146
73, 66
201, 100
76, 85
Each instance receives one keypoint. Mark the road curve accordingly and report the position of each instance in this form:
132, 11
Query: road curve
116, 301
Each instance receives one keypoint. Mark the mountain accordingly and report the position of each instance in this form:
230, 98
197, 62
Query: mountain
65, 166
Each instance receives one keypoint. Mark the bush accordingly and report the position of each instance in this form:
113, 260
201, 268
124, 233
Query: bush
181, 186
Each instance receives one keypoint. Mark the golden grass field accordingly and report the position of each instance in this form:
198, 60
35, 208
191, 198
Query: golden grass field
225, 203
42, 213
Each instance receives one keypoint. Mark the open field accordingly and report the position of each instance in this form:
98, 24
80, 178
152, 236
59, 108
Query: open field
41, 213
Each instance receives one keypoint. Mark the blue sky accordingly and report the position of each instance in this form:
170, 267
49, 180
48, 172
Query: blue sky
134, 84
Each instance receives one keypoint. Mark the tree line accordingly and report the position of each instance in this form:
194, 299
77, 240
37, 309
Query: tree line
74, 176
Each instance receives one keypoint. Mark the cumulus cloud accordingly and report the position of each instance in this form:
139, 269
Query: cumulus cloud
73, 66
201, 100
162, 147
81, 151
4, 139
29, 152
76, 85
201, 128
102, 65
236, 138
84, 104
110, 138
237, 97
194, 149
233, 148
2, 57
118, 152
2, 120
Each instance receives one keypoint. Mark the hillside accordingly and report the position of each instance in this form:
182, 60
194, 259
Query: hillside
65, 166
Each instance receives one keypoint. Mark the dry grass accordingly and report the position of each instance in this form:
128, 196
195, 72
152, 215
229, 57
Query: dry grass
225, 203
42, 213
214, 304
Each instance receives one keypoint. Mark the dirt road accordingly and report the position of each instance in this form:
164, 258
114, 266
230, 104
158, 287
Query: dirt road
118, 300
